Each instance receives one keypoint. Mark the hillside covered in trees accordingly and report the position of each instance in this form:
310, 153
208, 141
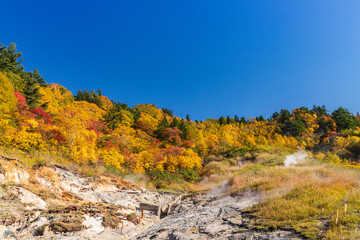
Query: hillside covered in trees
89, 129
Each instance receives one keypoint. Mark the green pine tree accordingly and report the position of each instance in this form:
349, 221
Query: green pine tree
164, 124
228, 120
183, 127
31, 92
222, 121
174, 123
236, 118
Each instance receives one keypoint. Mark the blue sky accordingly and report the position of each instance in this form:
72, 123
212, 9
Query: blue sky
206, 58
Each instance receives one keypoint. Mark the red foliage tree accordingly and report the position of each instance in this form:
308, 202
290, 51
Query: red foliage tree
23, 107
172, 135
41, 114
142, 126
98, 127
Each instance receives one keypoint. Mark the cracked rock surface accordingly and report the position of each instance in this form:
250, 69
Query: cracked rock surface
211, 218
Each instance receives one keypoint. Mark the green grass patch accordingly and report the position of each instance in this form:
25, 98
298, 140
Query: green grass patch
301, 209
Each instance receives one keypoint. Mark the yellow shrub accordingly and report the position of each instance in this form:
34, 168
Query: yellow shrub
27, 140
112, 157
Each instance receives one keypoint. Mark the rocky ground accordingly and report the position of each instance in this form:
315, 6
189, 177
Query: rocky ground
212, 217
52, 202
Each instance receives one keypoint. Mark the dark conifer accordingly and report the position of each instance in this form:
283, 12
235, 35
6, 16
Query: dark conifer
222, 121
236, 118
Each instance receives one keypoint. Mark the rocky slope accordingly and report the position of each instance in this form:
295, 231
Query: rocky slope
212, 217
51, 202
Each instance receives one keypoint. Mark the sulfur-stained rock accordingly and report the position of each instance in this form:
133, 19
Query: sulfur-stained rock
14, 174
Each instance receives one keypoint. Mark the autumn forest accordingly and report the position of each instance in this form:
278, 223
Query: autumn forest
89, 129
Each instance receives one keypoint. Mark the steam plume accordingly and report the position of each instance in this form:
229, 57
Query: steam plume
295, 158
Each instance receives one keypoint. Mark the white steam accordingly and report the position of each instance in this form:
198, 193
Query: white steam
293, 159
137, 179
225, 186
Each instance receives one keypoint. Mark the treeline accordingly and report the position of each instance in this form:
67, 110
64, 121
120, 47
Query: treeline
90, 129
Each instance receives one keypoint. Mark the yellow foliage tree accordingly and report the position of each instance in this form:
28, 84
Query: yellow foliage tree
112, 157
56, 97
73, 124
106, 104
7, 102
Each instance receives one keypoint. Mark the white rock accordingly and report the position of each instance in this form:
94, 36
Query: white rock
93, 224
5, 232
124, 211
2, 178
29, 198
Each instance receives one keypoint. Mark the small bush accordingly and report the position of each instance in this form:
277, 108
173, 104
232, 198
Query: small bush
189, 175
111, 222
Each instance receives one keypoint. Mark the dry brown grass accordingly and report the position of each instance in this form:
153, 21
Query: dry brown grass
299, 197
303, 198
277, 181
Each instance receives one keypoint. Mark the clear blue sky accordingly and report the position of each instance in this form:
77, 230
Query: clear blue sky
206, 58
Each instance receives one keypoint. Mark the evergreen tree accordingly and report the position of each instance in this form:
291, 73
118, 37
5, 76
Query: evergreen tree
296, 126
113, 116
275, 116
261, 118
136, 114
343, 119
320, 111
228, 120
236, 118
174, 123
168, 112
304, 109
31, 93
284, 115
164, 124
183, 128
188, 117
88, 96
10, 59
243, 120
222, 121
284, 121
36, 75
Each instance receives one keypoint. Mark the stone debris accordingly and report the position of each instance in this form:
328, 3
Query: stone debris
211, 217
51, 202
93, 224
